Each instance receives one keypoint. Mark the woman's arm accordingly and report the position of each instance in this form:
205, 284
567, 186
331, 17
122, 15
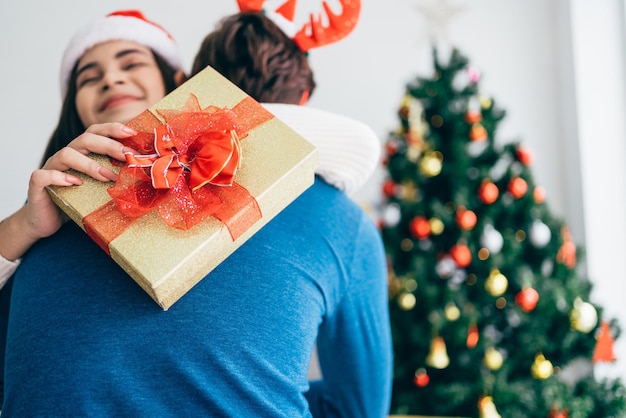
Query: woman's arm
349, 150
40, 217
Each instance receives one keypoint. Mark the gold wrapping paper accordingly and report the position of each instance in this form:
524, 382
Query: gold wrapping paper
277, 166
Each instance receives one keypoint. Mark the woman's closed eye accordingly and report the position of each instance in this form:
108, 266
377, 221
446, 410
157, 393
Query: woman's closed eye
133, 65
88, 75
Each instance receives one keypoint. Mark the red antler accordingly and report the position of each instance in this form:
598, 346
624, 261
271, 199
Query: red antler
313, 34
250, 5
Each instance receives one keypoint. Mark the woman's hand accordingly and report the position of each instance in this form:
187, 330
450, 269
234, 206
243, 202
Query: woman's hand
40, 217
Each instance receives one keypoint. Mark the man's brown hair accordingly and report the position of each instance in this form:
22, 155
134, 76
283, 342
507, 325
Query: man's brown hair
256, 55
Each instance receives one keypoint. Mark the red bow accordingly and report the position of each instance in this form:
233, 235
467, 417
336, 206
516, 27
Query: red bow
194, 148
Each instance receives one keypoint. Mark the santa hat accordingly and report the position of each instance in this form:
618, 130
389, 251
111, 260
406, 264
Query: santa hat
127, 25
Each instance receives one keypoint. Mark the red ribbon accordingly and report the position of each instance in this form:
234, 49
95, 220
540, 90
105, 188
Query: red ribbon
185, 171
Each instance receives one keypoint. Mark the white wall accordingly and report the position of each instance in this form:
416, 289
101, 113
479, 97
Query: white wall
540, 60
598, 37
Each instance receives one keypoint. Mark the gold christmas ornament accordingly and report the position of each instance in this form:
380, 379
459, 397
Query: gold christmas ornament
496, 283
487, 409
407, 301
485, 102
436, 226
408, 191
493, 359
430, 164
438, 355
413, 153
452, 312
583, 316
541, 368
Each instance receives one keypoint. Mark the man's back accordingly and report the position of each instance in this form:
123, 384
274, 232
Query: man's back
238, 344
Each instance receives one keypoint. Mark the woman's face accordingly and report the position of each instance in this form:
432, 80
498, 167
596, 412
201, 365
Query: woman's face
116, 81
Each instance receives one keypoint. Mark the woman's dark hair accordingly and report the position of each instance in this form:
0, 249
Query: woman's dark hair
70, 125
256, 55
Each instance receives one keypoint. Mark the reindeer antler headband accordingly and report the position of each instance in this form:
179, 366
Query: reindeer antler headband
313, 34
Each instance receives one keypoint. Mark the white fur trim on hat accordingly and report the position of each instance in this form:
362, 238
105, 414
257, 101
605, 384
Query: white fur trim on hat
349, 150
122, 26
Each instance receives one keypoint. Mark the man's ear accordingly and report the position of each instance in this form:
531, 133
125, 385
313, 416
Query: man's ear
179, 78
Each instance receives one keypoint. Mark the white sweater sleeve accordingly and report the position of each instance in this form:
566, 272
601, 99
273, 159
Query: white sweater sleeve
349, 150
6, 269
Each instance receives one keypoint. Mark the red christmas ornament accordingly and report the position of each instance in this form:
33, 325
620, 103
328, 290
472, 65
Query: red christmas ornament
567, 253
421, 378
413, 139
404, 112
604, 345
419, 227
478, 132
517, 187
461, 255
527, 299
558, 413
524, 156
539, 194
472, 336
391, 147
466, 219
389, 188
473, 117
488, 192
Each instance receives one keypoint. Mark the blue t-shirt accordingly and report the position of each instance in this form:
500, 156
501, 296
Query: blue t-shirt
84, 339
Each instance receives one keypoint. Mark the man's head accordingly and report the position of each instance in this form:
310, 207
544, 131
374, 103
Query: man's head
256, 55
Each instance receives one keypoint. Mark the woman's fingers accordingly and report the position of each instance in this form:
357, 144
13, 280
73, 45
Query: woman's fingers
98, 139
42, 178
101, 139
70, 158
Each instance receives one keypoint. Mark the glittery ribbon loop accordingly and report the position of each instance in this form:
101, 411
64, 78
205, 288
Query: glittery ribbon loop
215, 160
185, 161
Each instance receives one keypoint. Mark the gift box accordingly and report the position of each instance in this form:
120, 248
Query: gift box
213, 168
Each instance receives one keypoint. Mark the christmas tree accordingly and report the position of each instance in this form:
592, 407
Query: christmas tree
490, 314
